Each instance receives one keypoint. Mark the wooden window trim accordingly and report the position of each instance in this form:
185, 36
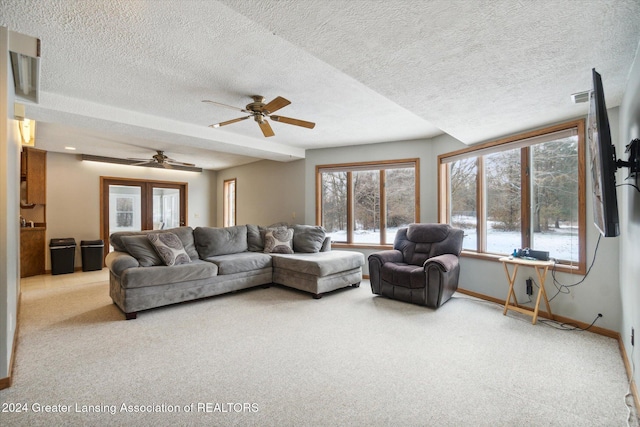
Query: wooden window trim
225, 201
382, 165
146, 185
444, 202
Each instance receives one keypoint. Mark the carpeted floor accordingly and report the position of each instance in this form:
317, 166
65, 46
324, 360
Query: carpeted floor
277, 357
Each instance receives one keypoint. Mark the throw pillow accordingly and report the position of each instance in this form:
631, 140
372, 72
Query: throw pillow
212, 241
308, 238
255, 238
141, 249
169, 247
278, 241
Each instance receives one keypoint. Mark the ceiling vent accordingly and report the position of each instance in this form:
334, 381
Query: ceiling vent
580, 97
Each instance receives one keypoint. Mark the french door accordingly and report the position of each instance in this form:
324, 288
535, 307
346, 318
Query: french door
135, 205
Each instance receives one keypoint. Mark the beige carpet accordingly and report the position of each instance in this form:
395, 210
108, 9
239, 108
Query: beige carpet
277, 357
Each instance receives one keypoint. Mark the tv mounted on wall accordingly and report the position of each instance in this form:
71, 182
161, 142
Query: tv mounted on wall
603, 162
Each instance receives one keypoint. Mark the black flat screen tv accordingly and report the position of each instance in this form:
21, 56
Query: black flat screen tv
603, 163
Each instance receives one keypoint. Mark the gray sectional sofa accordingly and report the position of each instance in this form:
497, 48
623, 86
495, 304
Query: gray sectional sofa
150, 269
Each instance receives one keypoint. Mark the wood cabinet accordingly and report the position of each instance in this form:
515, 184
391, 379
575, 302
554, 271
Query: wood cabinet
33, 199
33, 168
32, 251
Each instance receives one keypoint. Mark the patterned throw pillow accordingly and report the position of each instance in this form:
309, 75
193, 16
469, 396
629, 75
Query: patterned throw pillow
278, 241
169, 248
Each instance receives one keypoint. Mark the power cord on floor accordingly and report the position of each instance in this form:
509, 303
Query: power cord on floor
558, 325
568, 326
563, 326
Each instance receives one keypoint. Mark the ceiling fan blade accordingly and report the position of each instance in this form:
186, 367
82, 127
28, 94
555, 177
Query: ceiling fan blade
275, 105
177, 163
226, 106
290, 121
144, 162
266, 128
228, 122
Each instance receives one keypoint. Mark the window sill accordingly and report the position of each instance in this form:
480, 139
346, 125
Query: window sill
562, 268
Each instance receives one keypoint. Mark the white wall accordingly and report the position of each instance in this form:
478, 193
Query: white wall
598, 294
629, 209
267, 192
9, 210
73, 195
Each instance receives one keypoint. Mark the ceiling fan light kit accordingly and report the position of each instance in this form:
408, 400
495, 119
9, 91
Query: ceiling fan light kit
160, 159
260, 112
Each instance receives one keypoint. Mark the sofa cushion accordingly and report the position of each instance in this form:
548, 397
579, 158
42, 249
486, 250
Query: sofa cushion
212, 241
240, 262
308, 238
141, 249
185, 234
169, 248
278, 241
163, 275
319, 264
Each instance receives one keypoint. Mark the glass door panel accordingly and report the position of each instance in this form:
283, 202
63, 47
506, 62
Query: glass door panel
125, 208
136, 205
166, 208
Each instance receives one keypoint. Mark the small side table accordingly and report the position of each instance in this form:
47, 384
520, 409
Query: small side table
541, 267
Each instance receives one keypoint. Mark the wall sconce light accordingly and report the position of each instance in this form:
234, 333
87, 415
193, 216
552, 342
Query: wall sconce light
26, 126
27, 132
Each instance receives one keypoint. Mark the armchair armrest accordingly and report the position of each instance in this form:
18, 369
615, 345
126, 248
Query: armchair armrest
445, 262
442, 273
376, 261
390, 255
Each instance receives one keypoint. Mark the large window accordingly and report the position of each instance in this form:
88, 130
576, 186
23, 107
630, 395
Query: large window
526, 191
364, 204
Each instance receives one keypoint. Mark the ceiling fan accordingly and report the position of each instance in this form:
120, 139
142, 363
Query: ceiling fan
161, 160
261, 111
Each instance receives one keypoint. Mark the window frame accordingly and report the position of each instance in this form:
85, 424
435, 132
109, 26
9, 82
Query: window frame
380, 166
509, 143
229, 210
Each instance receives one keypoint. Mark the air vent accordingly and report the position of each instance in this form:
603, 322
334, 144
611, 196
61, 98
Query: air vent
580, 97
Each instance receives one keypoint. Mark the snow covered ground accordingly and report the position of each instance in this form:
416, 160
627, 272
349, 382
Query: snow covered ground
561, 243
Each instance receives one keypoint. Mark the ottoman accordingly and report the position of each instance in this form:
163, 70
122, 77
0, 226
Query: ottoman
318, 272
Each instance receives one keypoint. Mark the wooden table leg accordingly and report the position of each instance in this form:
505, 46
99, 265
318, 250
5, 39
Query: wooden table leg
542, 293
511, 293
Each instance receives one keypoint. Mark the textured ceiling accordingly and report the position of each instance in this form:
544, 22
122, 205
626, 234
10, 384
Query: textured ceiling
123, 78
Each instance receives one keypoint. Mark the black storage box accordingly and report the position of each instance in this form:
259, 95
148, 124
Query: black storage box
63, 255
92, 253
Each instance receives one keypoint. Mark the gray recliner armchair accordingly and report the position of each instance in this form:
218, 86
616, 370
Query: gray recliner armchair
422, 268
